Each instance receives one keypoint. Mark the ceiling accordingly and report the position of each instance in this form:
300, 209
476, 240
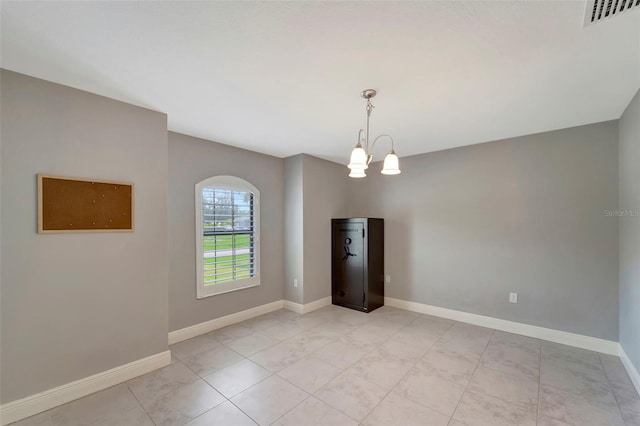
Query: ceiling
285, 77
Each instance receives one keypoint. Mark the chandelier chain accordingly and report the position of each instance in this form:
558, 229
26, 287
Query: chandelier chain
369, 109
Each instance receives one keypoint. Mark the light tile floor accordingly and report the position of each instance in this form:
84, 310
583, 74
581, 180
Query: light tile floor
337, 366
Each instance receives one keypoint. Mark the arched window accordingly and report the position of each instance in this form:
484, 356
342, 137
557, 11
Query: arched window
227, 235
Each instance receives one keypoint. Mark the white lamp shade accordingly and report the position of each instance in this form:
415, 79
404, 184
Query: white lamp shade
391, 166
357, 173
358, 159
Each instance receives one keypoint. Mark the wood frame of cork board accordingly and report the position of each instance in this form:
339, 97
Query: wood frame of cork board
68, 204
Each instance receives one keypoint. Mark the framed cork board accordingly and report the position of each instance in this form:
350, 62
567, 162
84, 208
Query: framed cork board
77, 205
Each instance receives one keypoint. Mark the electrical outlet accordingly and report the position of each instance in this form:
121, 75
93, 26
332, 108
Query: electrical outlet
513, 297
387, 279
295, 282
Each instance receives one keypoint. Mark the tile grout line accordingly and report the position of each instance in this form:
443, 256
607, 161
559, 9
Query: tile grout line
201, 378
206, 335
229, 399
202, 414
474, 372
312, 395
240, 409
342, 371
226, 345
331, 340
322, 387
275, 373
309, 395
511, 374
259, 332
139, 403
454, 410
539, 385
310, 354
394, 386
615, 397
412, 366
213, 387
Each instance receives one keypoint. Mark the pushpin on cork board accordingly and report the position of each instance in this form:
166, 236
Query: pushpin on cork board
68, 204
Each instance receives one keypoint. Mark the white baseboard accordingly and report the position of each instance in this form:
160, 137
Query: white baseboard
34, 404
316, 304
307, 307
631, 369
293, 306
214, 324
29, 406
557, 336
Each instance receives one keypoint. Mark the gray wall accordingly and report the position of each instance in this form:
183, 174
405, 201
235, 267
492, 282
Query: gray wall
466, 226
190, 161
77, 304
293, 231
326, 196
316, 190
629, 131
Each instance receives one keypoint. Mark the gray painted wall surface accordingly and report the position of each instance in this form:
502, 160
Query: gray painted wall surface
629, 131
293, 231
326, 195
466, 226
190, 161
77, 304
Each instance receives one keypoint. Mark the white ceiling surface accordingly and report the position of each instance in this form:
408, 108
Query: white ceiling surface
284, 77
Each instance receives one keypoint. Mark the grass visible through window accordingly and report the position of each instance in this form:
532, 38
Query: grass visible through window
220, 264
224, 242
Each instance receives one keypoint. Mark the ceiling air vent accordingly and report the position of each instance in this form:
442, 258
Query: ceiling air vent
599, 10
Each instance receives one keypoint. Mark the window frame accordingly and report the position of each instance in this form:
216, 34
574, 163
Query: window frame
234, 184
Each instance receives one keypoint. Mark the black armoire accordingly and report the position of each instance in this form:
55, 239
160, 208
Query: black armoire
357, 263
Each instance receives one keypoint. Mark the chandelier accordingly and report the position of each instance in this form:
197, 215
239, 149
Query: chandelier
361, 156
